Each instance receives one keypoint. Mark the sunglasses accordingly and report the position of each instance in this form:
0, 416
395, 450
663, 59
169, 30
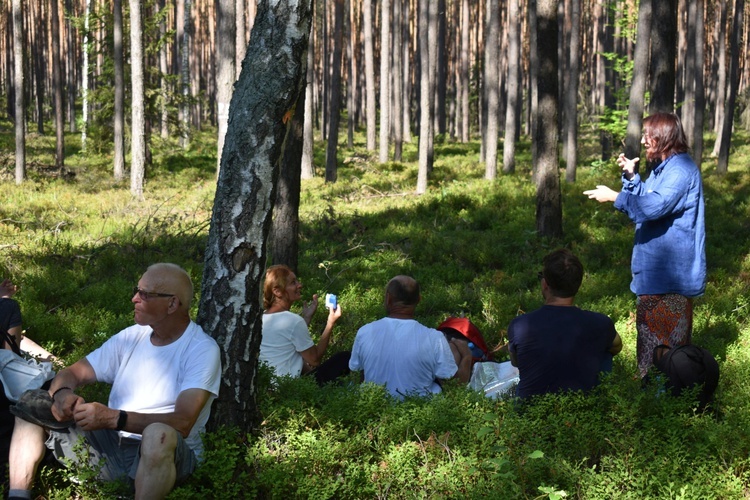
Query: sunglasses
144, 295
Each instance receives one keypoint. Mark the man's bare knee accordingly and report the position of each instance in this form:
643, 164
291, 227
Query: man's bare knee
159, 441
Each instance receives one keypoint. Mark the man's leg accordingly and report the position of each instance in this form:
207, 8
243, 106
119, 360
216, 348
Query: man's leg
156, 473
26, 452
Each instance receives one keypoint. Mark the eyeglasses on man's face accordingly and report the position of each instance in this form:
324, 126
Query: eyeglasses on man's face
144, 295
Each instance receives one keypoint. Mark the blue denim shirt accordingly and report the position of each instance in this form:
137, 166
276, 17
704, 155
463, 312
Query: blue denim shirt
669, 254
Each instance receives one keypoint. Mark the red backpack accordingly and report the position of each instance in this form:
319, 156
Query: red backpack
463, 328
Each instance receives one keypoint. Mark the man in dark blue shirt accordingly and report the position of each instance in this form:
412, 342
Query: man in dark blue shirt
560, 347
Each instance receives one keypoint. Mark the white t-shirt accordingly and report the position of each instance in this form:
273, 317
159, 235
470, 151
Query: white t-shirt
147, 379
404, 355
285, 335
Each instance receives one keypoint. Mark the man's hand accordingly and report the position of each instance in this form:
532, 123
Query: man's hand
64, 405
601, 194
94, 416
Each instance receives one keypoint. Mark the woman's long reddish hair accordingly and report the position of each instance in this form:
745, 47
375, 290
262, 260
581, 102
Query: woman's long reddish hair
665, 132
276, 277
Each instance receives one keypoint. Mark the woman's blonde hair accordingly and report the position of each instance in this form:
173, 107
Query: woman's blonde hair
276, 277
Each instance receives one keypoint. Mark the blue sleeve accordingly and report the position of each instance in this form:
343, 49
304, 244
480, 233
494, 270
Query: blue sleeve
661, 199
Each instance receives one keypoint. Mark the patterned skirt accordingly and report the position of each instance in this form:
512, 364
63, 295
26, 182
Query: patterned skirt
661, 319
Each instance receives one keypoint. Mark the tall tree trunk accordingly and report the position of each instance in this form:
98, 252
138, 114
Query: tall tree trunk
284, 236
406, 43
138, 120
425, 99
71, 72
638, 85
663, 55
240, 44
571, 93
185, 74
308, 138
492, 89
722, 166
533, 81
514, 82
234, 266
353, 83
335, 99
119, 125
700, 91
163, 70
441, 68
39, 69
385, 75
464, 126
686, 89
225, 70
57, 86
371, 112
432, 89
398, 84
720, 70
20, 109
85, 75
548, 196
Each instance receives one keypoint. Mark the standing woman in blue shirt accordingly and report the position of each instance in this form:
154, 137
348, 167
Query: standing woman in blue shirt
669, 254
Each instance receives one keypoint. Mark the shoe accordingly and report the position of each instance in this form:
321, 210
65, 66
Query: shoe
35, 406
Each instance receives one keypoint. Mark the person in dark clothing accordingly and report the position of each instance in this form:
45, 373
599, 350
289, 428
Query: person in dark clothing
560, 347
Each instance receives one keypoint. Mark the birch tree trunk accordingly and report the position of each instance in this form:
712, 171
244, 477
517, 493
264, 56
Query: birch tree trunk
230, 306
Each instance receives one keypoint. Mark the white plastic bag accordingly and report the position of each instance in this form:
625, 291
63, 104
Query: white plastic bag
494, 379
19, 375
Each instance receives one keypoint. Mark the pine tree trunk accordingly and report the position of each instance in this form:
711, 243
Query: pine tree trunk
225, 71
636, 102
425, 99
514, 82
722, 166
571, 93
385, 75
119, 118
268, 87
138, 120
548, 197
308, 137
371, 112
335, 97
20, 110
491, 89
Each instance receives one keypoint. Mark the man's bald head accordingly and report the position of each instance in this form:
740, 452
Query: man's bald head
403, 291
170, 278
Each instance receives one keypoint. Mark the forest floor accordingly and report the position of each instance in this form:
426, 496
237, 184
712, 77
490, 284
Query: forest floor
76, 242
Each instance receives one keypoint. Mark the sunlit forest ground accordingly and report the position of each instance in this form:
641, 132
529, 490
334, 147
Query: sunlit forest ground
76, 242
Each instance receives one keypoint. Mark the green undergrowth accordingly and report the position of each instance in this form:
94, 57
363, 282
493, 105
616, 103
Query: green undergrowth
77, 243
